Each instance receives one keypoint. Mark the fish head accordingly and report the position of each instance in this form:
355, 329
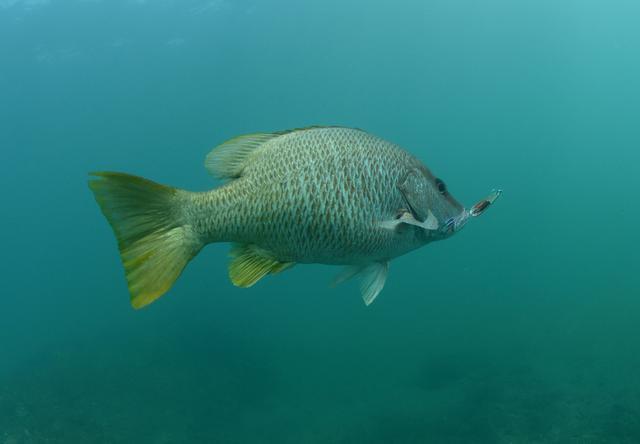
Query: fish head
450, 214
433, 205
429, 201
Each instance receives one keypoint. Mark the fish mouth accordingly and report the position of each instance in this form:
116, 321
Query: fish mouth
456, 223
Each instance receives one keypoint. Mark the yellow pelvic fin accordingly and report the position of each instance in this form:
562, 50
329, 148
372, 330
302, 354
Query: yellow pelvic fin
249, 264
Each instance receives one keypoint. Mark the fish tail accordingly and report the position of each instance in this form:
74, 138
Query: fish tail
154, 241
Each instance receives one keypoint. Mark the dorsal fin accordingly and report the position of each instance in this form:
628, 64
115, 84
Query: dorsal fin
226, 161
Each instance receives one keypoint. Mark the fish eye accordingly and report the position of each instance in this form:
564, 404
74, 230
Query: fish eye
442, 188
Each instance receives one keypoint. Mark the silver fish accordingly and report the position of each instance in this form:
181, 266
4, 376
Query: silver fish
329, 195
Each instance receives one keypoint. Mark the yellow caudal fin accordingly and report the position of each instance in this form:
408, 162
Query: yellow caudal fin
155, 244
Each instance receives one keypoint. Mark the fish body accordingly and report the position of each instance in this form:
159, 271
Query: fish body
329, 195
317, 196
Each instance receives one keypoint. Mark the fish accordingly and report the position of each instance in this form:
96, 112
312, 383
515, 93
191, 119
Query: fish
322, 194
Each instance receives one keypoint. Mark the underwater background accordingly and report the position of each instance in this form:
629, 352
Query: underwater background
523, 328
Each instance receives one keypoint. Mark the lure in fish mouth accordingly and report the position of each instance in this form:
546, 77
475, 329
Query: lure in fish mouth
455, 224
329, 195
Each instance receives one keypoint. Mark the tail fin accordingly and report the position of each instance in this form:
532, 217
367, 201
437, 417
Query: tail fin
154, 243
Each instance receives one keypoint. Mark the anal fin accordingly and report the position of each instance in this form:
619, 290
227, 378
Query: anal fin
250, 263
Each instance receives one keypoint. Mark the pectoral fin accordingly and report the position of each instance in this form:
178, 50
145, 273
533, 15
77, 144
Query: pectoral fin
250, 264
373, 277
430, 223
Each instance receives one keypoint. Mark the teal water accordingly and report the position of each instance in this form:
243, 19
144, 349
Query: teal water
523, 328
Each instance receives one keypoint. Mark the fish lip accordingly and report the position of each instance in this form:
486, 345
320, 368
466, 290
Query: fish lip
456, 223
